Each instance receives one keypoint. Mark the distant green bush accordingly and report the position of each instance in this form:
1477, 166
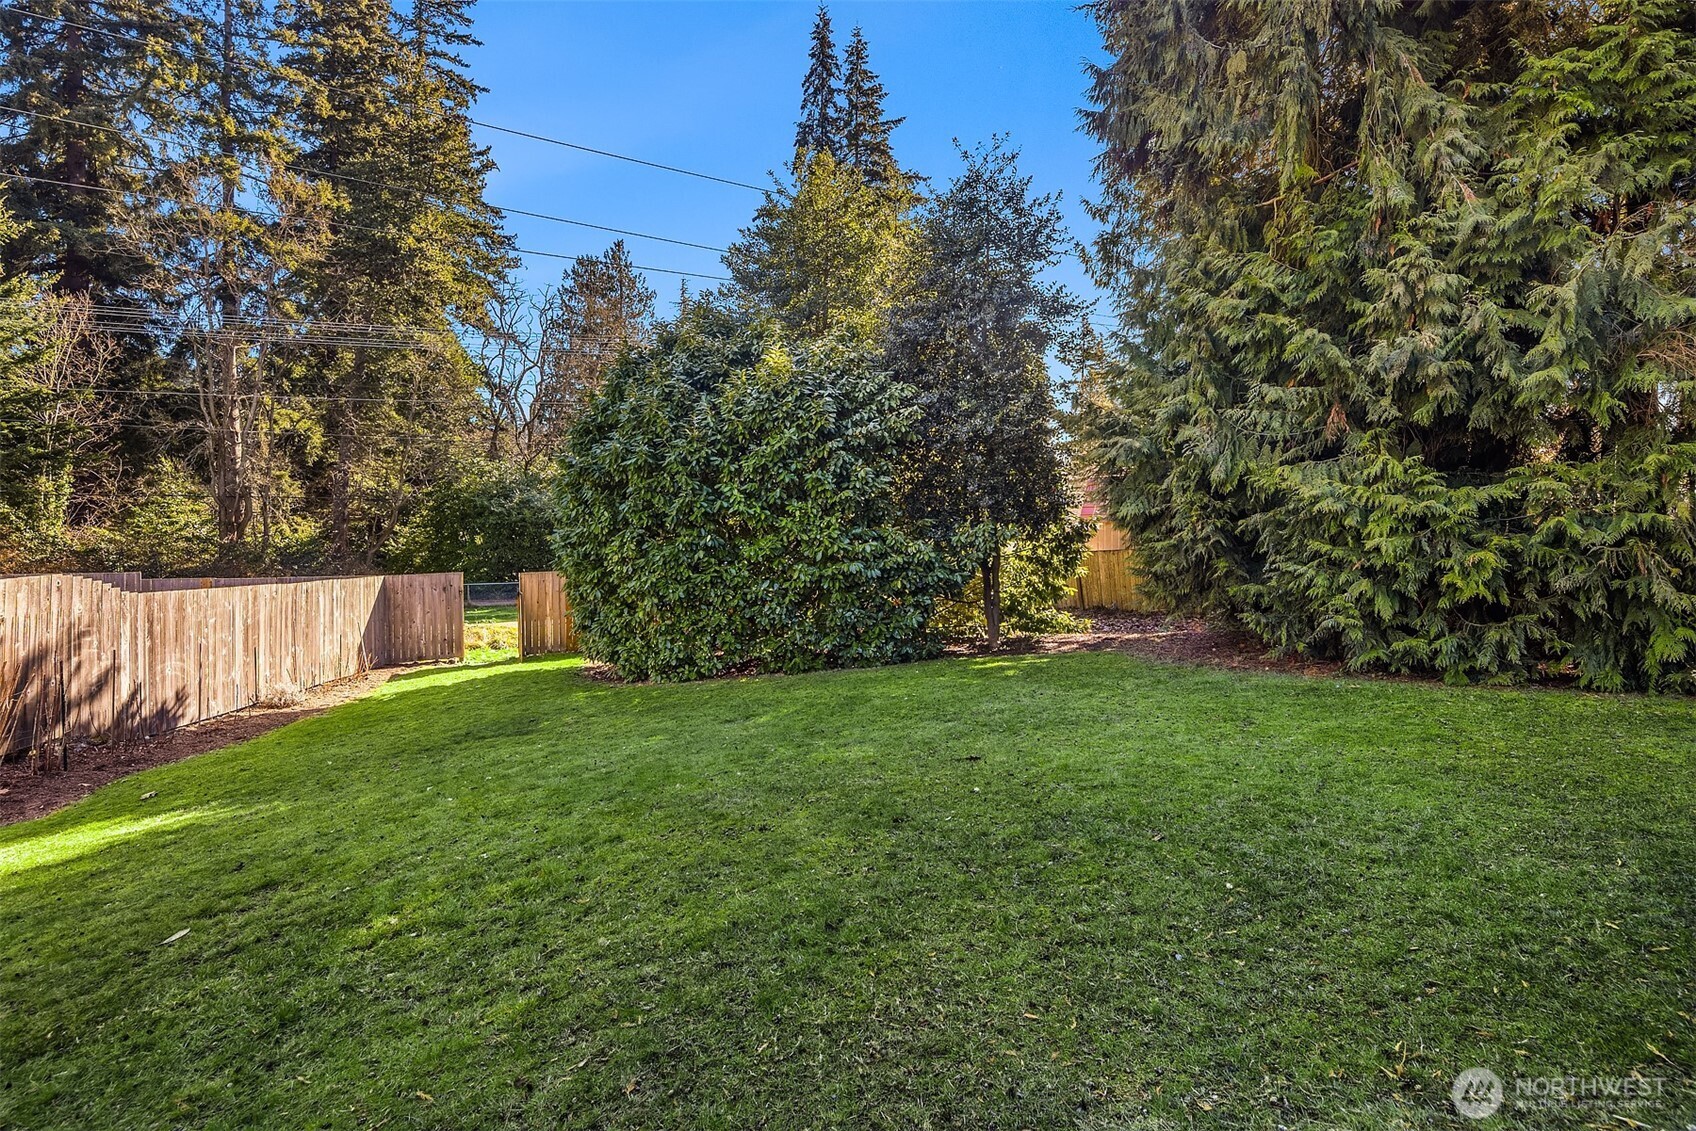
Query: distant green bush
488, 520
727, 501
1036, 574
166, 527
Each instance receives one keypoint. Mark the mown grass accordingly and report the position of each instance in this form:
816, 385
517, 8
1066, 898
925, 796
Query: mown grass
491, 633
491, 614
1076, 891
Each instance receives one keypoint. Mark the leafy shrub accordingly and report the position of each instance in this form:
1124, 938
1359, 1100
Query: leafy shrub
727, 501
488, 520
1385, 562
166, 528
1036, 573
33, 533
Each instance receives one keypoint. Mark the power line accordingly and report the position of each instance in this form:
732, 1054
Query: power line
380, 184
4, 173
472, 121
616, 156
280, 396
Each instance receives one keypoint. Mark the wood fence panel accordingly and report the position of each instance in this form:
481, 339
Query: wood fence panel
545, 621
121, 655
1109, 581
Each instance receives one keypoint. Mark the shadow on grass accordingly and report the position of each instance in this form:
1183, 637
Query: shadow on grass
57, 846
1041, 876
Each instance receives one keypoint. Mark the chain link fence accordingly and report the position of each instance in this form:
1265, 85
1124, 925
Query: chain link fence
484, 593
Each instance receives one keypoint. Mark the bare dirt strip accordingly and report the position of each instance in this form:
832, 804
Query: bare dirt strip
26, 792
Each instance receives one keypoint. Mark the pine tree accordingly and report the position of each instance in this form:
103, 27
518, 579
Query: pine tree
1406, 375
865, 131
81, 77
413, 245
972, 335
828, 253
820, 127
604, 307
226, 253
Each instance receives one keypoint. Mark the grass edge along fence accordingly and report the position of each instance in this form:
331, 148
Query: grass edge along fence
88, 656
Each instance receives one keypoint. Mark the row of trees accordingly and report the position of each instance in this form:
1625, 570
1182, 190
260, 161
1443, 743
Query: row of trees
1408, 350
262, 308
818, 462
265, 318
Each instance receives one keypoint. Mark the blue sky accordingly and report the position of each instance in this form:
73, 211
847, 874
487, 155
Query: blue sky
713, 85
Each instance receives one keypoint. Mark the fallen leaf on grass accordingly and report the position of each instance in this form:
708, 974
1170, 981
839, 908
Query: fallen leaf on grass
175, 937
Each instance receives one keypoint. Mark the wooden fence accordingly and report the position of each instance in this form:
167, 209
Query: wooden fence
1108, 581
545, 623
118, 655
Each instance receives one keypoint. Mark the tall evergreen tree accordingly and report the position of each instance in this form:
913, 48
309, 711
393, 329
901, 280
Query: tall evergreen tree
1407, 374
828, 253
605, 307
84, 83
81, 77
972, 335
820, 127
413, 245
228, 251
865, 131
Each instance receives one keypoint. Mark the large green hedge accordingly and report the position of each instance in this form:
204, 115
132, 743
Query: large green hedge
1409, 342
727, 502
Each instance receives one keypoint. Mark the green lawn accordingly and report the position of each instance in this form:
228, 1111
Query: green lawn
1071, 891
491, 633
491, 614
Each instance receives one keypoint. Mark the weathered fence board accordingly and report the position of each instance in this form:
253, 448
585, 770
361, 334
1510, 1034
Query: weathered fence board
83, 655
1108, 581
545, 623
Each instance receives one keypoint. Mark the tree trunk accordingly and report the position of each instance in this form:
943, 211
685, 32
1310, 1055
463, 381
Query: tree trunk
230, 456
992, 599
76, 273
341, 487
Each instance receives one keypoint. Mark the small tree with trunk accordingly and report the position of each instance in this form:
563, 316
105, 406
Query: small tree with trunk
972, 335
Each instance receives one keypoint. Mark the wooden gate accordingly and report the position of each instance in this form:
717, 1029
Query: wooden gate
545, 623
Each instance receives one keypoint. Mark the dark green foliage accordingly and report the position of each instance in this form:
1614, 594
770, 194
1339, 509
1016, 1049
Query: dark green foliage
25, 448
865, 131
820, 127
489, 521
1409, 297
728, 501
972, 335
273, 218
1036, 573
165, 527
384, 119
84, 81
